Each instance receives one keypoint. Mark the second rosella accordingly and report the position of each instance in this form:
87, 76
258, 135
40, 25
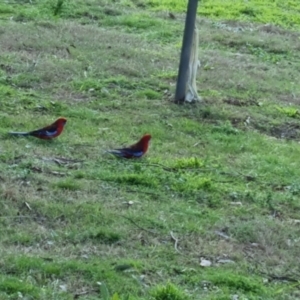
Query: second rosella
136, 150
47, 132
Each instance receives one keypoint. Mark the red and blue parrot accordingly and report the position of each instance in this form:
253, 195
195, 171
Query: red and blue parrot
136, 150
46, 133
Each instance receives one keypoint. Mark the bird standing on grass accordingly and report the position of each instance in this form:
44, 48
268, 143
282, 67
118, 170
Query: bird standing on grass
134, 151
45, 133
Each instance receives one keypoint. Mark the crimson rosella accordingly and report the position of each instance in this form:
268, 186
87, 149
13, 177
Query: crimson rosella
46, 133
134, 151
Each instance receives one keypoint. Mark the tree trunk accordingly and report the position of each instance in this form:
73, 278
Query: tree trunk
191, 94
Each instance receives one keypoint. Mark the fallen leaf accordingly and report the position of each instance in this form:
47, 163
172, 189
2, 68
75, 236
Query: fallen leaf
63, 287
294, 221
223, 235
27, 205
236, 203
205, 262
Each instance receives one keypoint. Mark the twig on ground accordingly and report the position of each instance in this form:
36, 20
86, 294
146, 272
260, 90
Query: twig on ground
172, 169
137, 225
62, 161
169, 169
222, 234
273, 277
34, 64
247, 177
144, 192
77, 295
27, 205
175, 241
40, 170
15, 217
283, 278
222, 181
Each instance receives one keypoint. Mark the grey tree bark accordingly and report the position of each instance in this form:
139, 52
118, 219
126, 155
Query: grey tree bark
191, 94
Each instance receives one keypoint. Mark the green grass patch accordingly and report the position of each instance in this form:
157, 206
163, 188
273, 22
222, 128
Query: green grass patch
283, 14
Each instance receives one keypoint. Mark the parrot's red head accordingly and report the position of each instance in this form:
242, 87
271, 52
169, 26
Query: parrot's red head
144, 142
61, 121
146, 138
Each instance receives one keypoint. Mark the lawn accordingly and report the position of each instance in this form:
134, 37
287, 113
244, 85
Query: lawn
212, 210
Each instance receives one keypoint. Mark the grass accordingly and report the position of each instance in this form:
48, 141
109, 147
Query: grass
220, 181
